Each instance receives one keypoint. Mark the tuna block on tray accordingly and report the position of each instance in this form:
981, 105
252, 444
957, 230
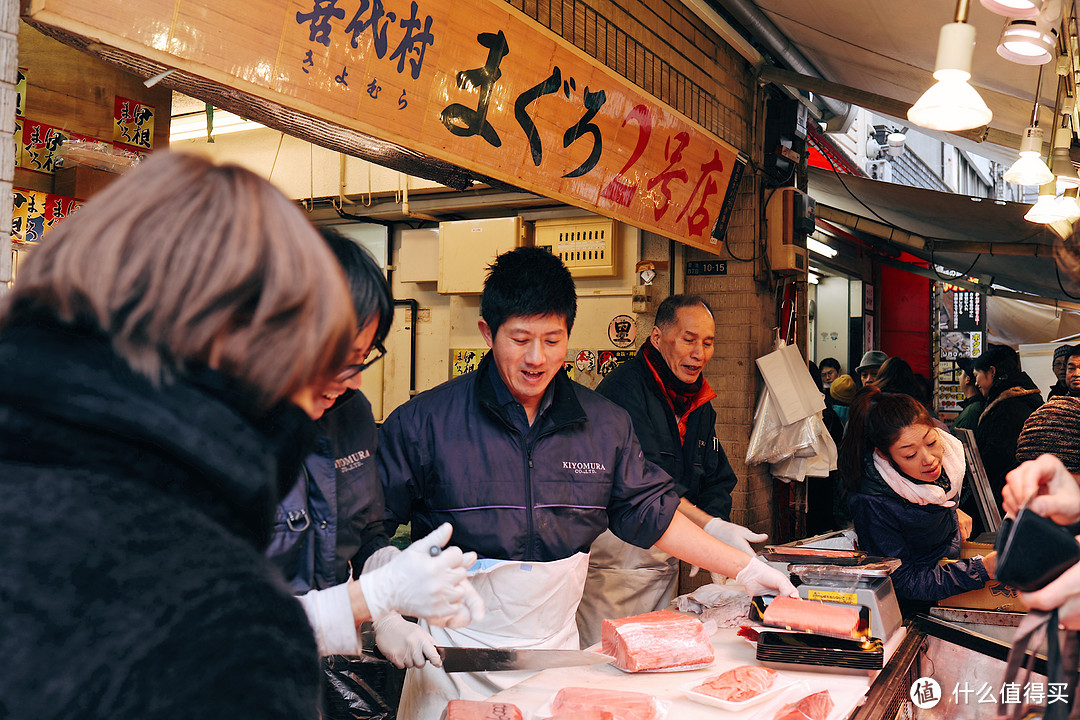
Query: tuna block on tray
478, 710
812, 707
814, 616
660, 640
738, 684
617, 704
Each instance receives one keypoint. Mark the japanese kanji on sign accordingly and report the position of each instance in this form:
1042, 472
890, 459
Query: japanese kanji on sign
471, 82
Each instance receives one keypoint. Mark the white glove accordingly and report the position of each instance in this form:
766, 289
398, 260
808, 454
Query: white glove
420, 584
471, 610
731, 534
734, 535
405, 644
380, 557
759, 578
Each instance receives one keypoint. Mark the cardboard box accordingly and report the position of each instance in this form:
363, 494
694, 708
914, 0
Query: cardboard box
993, 596
79, 181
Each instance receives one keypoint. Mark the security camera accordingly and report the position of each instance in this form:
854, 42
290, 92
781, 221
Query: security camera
873, 150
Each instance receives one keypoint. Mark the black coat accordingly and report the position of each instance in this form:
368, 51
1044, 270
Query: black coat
133, 582
1007, 408
453, 454
698, 464
920, 535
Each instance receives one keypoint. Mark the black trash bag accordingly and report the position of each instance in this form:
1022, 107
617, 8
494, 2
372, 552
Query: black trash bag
359, 689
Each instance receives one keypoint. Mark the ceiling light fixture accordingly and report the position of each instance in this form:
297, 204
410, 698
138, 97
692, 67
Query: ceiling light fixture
1064, 169
1029, 168
951, 104
1045, 210
1068, 206
1013, 8
1028, 42
1032, 40
820, 248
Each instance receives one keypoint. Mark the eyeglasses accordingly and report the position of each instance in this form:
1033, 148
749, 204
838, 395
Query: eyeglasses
350, 371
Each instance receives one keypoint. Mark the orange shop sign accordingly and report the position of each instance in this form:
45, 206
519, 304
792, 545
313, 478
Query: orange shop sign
472, 82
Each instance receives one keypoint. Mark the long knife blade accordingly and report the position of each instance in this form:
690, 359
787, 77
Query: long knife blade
458, 659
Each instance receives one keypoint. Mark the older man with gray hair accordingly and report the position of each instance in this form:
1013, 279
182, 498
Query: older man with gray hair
668, 399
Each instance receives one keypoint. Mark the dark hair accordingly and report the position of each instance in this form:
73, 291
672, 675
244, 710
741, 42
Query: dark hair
527, 282
665, 314
875, 421
830, 362
1074, 350
370, 293
1006, 364
896, 376
815, 373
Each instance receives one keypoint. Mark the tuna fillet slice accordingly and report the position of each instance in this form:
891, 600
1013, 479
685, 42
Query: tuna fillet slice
739, 684
477, 710
812, 707
819, 617
659, 640
620, 704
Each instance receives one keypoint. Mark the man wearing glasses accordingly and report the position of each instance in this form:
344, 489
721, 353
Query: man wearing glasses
331, 522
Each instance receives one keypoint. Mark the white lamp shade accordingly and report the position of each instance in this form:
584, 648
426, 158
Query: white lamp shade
1013, 8
1068, 207
1029, 169
1064, 170
1028, 42
950, 104
1044, 211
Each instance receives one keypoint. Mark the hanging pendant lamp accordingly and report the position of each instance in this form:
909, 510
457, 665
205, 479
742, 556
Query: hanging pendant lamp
951, 104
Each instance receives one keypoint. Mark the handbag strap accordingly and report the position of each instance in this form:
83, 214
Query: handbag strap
1061, 661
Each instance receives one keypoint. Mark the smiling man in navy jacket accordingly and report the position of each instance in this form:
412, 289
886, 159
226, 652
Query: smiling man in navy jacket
663, 389
530, 468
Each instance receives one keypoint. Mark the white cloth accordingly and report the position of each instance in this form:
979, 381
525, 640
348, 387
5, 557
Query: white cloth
623, 580
529, 605
952, 461
330, 613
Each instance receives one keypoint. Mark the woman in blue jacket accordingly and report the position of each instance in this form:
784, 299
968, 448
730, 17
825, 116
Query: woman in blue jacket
905, 476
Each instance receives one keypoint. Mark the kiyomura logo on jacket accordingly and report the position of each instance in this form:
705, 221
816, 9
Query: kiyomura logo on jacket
583, 468
352, 461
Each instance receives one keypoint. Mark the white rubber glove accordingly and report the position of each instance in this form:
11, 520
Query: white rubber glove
734, 535
759, 578
405, 644
380, 557
731, 534
472, 610
420, 584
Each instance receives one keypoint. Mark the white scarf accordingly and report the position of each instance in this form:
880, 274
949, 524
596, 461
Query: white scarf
952, 461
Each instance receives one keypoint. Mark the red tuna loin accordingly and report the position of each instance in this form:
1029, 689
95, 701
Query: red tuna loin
657, 640
738, 684
621, 704
812, 707
583, 715
477, 710
814, 616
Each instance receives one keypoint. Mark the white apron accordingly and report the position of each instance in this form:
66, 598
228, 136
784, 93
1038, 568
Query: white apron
623, 580
529, 605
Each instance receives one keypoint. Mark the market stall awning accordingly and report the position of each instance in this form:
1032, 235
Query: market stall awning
982, 238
